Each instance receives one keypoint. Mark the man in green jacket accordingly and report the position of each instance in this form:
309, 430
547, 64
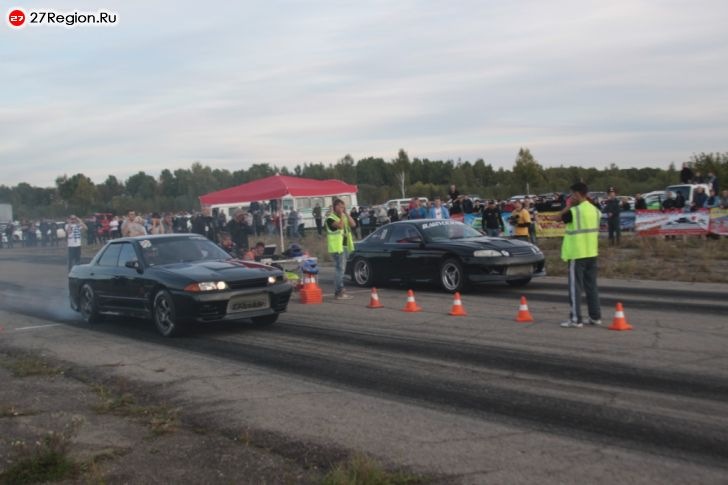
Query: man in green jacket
340, 241
580, 249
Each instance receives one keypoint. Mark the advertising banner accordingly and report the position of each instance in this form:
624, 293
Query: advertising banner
672, 223
719, 221
549, 224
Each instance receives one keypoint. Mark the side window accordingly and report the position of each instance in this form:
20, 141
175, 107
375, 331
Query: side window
110, 256
404, 234
127, 254
380, 235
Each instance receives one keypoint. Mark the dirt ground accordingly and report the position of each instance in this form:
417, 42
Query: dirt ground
82, 427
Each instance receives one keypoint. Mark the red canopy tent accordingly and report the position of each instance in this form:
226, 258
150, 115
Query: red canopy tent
275, 187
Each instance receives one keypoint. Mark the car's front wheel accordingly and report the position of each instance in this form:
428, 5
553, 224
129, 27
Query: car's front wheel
452, 276
265, 320
87, 304
363, 272
165, 315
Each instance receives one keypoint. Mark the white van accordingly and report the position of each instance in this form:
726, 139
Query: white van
688, 190
403, 203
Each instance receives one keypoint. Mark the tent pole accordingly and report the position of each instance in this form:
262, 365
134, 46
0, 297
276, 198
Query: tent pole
280, 227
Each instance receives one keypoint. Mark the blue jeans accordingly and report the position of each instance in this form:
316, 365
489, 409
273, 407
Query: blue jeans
340, 262
492, 232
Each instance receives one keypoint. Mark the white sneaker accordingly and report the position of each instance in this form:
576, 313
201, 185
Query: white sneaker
570, 324
594, 321
344, 296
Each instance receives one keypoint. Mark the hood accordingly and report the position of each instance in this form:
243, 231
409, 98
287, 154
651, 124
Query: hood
230, 270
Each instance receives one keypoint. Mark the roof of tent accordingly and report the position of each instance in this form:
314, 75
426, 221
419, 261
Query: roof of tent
275, 187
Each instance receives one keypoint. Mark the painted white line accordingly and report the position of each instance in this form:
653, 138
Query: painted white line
38, 326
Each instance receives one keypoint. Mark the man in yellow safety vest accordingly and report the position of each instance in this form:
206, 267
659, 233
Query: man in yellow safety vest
340, 242
580, 249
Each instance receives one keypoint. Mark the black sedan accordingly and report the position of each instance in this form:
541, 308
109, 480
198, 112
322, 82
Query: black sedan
442, 251
176, 280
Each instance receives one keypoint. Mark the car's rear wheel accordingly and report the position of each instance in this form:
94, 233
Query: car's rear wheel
519, 282
164, 315
87, 304
452, 276
265, 320
363, 272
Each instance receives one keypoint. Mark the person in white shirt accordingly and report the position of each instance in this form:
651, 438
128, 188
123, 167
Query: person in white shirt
74, 226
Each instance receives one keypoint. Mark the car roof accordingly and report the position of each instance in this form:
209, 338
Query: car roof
160, 236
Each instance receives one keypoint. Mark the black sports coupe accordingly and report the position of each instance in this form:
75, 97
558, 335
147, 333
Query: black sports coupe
442, 251
176, 280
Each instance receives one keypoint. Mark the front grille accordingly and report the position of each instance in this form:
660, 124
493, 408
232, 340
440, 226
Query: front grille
520, 251
251, 283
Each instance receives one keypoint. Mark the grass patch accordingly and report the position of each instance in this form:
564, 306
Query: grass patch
45, 460
159, 418
652, 258
361, 470
27, 366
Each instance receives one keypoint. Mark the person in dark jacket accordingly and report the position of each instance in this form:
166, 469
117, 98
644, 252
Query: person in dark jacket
679, 201
686, 175
640, 204
699, 199
612, 208
237, 227
206, 225
493, 220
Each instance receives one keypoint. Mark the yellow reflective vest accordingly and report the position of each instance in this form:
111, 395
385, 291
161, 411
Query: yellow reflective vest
335, 239
581, 239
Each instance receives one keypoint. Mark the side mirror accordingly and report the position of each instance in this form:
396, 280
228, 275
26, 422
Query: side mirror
134, 265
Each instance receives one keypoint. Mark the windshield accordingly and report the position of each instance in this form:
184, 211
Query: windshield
158, 252
447, 230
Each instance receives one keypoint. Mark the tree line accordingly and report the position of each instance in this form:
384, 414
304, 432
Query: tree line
378, 180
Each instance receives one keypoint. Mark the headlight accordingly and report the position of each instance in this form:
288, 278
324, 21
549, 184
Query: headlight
535, 250
271, 280
487, 253
206, 286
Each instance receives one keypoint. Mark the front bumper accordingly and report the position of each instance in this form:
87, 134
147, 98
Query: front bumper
213, 307
482, 270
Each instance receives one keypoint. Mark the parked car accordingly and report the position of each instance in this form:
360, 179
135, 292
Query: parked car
176, 280
688, 190
446, 252
403, 204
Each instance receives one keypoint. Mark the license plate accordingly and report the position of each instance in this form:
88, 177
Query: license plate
247, 303
519, 270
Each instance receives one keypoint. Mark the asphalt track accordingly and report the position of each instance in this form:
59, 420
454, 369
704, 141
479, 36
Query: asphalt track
472, 399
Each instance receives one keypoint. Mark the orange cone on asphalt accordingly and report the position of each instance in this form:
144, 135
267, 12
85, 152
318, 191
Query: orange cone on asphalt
457, 307
374, 300
411, 305
619, 322
311, 293
524, 315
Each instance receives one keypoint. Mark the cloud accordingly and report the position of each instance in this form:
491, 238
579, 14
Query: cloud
632, 83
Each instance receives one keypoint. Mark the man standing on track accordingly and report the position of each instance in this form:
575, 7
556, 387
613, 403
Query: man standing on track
580, 249
340, 243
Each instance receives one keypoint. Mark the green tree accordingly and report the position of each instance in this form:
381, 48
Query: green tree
527, 172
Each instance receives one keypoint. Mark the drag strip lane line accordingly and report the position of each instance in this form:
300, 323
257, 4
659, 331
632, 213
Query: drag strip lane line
37, 326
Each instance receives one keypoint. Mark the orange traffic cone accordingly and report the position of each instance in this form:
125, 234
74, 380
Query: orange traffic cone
374, 300
311, 292
619, 322
411, 305
524, 316
457, 307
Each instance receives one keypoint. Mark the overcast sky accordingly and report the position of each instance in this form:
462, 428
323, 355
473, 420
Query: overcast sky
636, 83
